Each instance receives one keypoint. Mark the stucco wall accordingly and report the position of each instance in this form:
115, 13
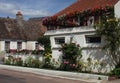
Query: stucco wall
78, 38
13, 45
30, 45
23, 45
2, 45
117, 9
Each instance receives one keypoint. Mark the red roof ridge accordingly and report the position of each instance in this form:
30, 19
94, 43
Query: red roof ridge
82, 5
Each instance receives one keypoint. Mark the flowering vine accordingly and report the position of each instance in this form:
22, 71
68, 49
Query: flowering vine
63, 20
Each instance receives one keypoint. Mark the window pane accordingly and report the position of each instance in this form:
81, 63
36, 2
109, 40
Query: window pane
7, 45
59, 40
19, 45
93, 39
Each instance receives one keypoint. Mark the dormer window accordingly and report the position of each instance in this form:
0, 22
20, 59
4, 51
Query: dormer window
90, 21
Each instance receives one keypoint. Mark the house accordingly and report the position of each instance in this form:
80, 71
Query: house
19, 34
76, 22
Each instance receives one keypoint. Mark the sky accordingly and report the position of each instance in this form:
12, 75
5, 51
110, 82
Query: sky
32, 8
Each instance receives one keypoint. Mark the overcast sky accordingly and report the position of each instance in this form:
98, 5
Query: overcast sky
32, 8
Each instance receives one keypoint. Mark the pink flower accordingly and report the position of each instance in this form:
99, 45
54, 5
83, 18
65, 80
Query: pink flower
66, 62
74, 65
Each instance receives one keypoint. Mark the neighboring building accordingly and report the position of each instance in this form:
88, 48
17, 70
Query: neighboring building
18, 34
76, 21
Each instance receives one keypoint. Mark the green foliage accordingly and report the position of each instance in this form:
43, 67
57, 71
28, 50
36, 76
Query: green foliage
71, 52
115, 72
29, 62
7, 62
37, 52
68, 66
47, 60
44, 40
110, 30
18, 61
36, 63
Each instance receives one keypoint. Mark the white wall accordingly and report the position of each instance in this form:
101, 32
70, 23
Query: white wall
79, 38
24, 45
13, 45
2, 45
30, 45
117, 9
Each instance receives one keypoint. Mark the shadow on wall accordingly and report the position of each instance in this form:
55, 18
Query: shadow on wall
105, 62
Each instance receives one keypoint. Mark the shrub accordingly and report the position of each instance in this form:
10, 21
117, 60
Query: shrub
116, 72
28, 62
18, 62
7, 62
71, 52
68, 66
36, 52
36, 63
47, 60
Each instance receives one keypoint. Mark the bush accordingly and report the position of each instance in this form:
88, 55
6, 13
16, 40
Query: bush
68, 66
7, 62
28, 62
37, 52
47, 60
115, 72
36, 63
71, 52
18, 62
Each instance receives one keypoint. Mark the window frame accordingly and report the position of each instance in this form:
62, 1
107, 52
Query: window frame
19, 45
59, 42
7, 45
89, 39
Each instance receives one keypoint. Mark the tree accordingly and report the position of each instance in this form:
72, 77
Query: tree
45, 40
110, 30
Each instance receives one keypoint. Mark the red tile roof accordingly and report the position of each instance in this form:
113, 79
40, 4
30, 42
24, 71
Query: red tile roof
81, 5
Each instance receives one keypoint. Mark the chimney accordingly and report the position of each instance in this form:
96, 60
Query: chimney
19, 16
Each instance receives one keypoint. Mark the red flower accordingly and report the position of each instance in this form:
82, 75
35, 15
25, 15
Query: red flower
66, 62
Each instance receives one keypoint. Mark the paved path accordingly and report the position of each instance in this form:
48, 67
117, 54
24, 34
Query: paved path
9, 76
114, 81
50, 74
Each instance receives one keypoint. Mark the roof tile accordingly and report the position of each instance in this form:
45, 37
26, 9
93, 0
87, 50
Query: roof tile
81, 5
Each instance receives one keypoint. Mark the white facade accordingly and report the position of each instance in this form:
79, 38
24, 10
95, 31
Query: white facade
117, 9
79, 37
83, 36
29, 45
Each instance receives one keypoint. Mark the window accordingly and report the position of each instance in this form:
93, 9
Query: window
90, 21
19, 45
60, 40
7, 45
93, 39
